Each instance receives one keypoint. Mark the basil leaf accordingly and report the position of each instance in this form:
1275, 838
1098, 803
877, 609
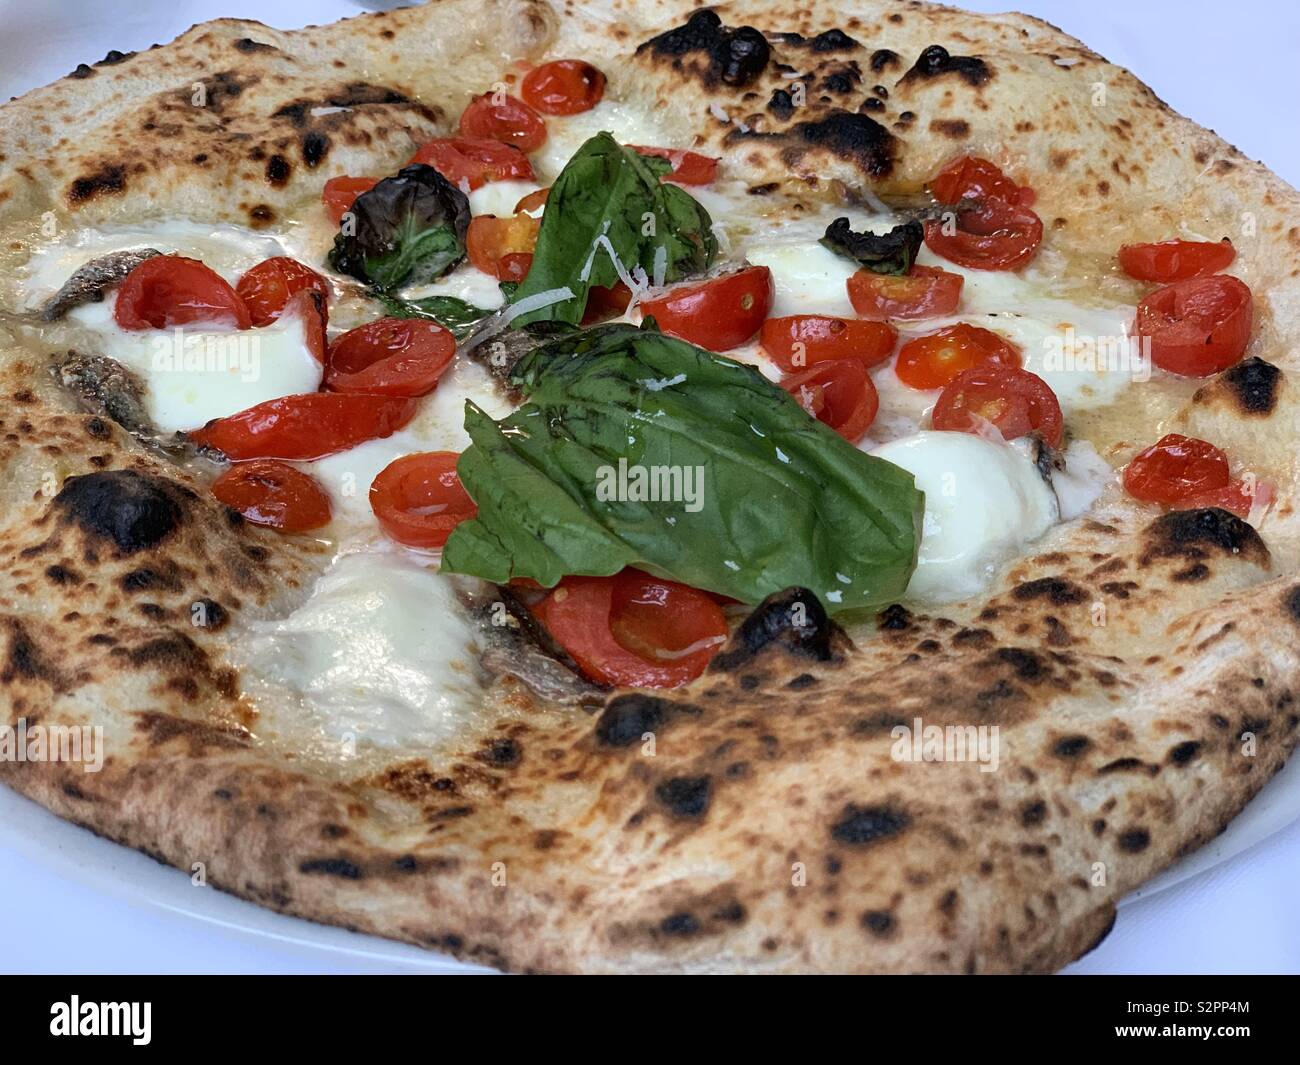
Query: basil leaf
452, 313
609, 197
765, 496
882, 253
407, 230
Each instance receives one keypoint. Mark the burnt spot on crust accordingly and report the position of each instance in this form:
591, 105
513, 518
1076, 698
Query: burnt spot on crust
1056, 590
1292, 604
134, 511
879, 923
315, 146
25, 661
884, 59
209, 614
1134, 840
278, 171
852, 136
1195, 535
1071, 746
680, 924
627, 718
827, 41
936, 61
106, 181
1251, 387
248, 46
353, 94
1184, 752
160, 728
861, 825
686, 797
339, 867
503, 752
713, 52
793, 619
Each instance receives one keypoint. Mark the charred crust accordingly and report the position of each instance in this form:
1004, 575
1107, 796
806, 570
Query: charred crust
794, 619
106, 181
502, 752
1056, 590
685, 797
248, 46
25, 661
278, 171
854, 137
1252, 387
1071, 746
627, 718
1291, 604
1184, 752
858, 826
827, 41
936, 61
884, 59
1194, 534
879, 923
315, 146
895, 618
133, 511
733, 57
1134, 840
339, 867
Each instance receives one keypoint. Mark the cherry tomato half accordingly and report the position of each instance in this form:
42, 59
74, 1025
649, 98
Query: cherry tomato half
171, 290
310, 306
1176, 260
717, 314
266, 288
502, 247
472, 162
340, 193
1176, 468
563, 87
802, 340
390, 357
933, 360
307, 426
689, 168
606, 302
1236, 497
1015, 401
418, 499
925, 292
995, 235
274, 493
633, 630
840, 394
1198, 327
501, 117
971, 176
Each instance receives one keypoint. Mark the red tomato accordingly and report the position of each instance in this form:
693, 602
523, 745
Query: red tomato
932, 361
504, 118
1198, 327
305, 426
971, 176
495, 244
1175, 260
390, 357
171, 290
266, 288
840, 394
310, 306
996, 235
1176, 468
1015, 401
717, 314
273, 493
1237, 497
806, 339
564, 87
472, 162
633, 630
605, 302
533, 202
340, 193
418, 499
926, 292
689, 168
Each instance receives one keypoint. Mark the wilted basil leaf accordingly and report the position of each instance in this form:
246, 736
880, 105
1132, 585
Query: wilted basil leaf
409, 229
882, 253
449, 312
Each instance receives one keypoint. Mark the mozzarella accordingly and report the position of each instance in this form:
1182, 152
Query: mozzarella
983, 502
193, 375
499, 197
1085, 476
807, 278
466, 283
566, 134
381, 653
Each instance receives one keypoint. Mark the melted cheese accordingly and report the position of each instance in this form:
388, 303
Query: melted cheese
499, 197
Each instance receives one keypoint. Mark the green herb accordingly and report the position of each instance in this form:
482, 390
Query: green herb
609, 197
407, 230
761, 496
882, 253
448, 311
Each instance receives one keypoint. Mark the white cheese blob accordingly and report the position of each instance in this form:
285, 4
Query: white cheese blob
983, 502
499, 197
466, 283
807, 278
381, 653
566, 134
1085, 477
195, 373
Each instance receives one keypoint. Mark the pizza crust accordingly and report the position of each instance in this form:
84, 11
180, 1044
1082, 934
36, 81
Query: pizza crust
756, 820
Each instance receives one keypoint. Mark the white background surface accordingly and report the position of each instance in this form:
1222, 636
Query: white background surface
73, 903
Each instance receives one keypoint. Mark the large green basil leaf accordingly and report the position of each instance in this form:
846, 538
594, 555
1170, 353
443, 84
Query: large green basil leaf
766, 497
610, 198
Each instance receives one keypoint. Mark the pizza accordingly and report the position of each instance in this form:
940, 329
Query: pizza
634, 487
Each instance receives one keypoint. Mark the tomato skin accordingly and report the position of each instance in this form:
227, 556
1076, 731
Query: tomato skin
310, 306
390, 357
418, 499
172, 290
925, 292
995, 235
1236, 497
689, 168
472, 162
533, 202
491, 241
1176, 468
825, 339
563, 87
718, 314
307, 426
606, 302
267, 492
839, 393
631, 630
340, 193
1197, 327
933, 360
1175, 260
504, 118
1014, 400
971, 176
267, 287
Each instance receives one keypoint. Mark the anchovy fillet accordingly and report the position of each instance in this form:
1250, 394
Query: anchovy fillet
89, 282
